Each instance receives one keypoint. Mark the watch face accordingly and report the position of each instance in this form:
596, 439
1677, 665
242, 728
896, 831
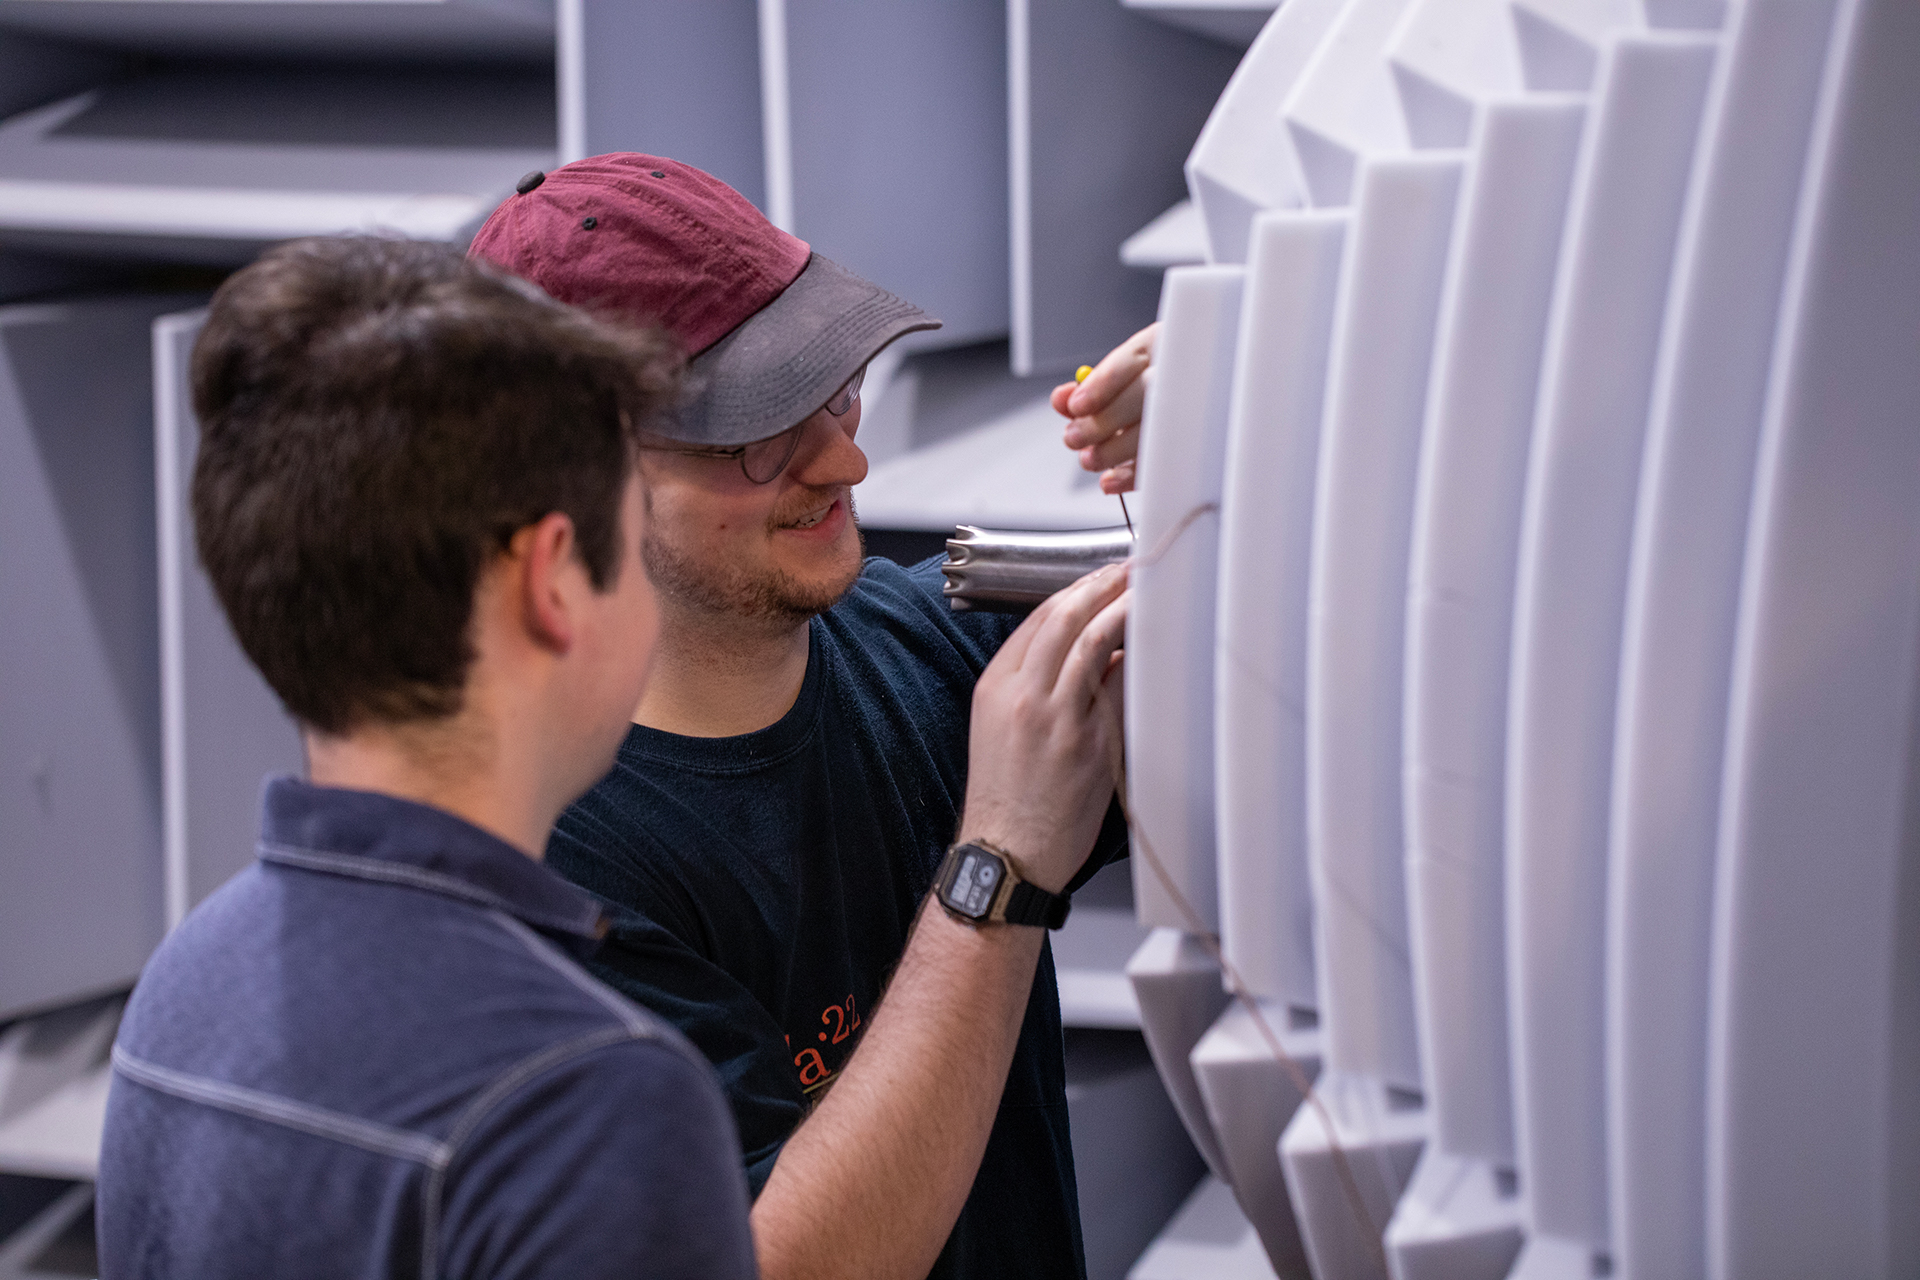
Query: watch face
974, 884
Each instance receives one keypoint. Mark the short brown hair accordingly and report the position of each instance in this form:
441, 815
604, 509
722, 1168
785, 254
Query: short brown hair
377, 418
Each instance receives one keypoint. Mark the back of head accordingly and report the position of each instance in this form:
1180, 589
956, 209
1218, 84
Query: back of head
377, 418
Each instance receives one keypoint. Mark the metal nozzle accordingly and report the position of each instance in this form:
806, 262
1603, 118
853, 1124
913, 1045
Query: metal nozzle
1012, 570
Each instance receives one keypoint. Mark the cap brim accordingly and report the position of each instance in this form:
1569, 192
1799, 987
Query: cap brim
787, 359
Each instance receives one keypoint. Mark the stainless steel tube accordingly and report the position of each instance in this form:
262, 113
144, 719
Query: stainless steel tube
1012, 570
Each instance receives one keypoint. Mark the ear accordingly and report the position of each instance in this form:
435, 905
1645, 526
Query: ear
550, 581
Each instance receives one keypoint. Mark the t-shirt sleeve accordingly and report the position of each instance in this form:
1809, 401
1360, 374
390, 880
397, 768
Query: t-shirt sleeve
649, 955
732, 1030
615, 1163
982, 630
1111, 845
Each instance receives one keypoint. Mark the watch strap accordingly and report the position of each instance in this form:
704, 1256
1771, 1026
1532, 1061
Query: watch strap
1032, 905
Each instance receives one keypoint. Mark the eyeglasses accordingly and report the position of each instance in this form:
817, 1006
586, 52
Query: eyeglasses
763, 460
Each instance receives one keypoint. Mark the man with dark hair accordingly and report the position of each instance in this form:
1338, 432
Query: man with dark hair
374, 1053
783, 805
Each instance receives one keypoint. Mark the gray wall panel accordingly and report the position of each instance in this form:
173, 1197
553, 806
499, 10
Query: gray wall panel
80, 877
899, 151
677, 80
1114, 102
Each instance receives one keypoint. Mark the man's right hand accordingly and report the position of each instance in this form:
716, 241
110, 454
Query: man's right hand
1040, 756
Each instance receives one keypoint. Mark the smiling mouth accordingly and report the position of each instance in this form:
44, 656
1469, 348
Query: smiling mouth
809, 521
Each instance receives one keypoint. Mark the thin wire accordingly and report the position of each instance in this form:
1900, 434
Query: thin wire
1236, 985
1126, 517
1167, 539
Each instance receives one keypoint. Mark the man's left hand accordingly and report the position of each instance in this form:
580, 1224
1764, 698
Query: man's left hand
1104, 411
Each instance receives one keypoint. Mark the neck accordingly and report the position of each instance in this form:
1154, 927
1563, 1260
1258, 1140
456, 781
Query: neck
445, 765
719, 677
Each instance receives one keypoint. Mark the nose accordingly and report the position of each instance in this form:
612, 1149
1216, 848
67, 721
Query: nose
828, 456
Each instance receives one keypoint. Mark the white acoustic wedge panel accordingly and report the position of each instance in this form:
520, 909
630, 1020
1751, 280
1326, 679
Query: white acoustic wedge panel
1466, 534
1345, 105
1363, 516
1813, 1086
1241, 162
222, 729
1459, 1219
1170, 631
1266, 545
1250, 1095
1345, 1181
1576, 535
1449, 57
1560, 40
1682, 599
1456, 65
1266, 899
1178, 987
1174, 239
1657, 699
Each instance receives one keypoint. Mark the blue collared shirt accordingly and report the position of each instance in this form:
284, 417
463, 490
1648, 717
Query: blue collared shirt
374, 1054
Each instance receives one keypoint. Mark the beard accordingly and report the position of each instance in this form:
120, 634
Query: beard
760, 594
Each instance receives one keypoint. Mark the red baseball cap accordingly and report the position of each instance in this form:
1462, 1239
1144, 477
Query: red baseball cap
771, 328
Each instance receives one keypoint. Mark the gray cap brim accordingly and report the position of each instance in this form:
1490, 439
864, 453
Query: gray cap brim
787, 359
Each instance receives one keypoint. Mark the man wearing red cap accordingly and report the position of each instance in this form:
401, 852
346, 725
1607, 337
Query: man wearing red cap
785, 799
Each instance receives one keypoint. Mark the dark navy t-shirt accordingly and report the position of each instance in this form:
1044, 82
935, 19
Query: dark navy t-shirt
763, 887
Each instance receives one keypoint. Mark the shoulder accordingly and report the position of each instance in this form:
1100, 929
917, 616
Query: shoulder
210, 931
600, 1158
632, 840
216, 960
905, 607
633, 1077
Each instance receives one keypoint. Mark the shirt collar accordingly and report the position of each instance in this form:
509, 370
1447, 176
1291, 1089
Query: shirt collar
369, 836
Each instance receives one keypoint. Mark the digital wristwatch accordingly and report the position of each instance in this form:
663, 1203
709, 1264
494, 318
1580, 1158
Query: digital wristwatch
977, 883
